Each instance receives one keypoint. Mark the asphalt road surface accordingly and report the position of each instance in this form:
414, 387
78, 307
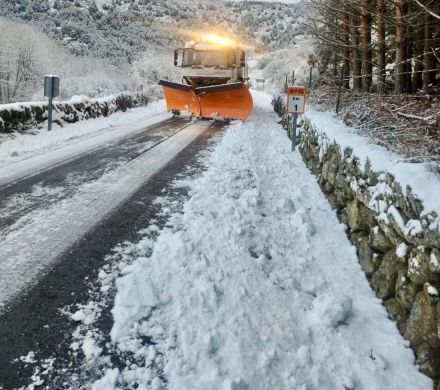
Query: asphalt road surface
58, 226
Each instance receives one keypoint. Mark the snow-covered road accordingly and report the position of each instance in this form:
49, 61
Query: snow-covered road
253, 286
26, 154
43, 219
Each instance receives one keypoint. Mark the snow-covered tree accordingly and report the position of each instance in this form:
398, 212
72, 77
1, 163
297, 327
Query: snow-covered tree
17, 61
27, 54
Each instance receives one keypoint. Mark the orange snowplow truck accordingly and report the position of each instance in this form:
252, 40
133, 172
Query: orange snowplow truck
214, 80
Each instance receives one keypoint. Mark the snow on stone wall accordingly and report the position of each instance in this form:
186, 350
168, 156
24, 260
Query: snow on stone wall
28, 115
397, 241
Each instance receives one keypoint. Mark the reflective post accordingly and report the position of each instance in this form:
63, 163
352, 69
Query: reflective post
48, 93
49, 115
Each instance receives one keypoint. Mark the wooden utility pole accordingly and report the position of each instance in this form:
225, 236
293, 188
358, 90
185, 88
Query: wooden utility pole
354, 33
381, 47
399, 80
417, 80
341, 81
367, 65
409, 46
428, 71
346, 51
312, 63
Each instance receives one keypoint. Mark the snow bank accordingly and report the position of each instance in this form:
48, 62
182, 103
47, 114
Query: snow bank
255, 285
425, 184
392, 217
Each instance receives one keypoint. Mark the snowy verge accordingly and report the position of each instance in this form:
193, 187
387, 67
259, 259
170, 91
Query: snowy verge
396, 234
255, 285
424, 184
29, 153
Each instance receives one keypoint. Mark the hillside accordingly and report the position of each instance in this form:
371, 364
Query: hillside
120, 30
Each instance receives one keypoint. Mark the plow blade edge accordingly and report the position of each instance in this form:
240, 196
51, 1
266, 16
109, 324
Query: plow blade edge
228, 101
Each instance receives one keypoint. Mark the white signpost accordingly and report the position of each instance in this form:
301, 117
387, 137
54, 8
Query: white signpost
296, 104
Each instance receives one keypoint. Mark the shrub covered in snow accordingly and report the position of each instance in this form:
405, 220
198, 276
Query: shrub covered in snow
28, 115
124, 102
406, 124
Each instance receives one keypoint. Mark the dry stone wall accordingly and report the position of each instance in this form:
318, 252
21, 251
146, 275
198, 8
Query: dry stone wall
29, 115
398, 244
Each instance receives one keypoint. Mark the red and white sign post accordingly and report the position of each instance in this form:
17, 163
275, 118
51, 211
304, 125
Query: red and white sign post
296, 104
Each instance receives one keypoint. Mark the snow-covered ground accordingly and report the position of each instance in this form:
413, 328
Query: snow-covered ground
25, 154
424, 183
254, 285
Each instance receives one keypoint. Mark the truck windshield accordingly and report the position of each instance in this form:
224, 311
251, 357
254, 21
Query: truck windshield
214, 58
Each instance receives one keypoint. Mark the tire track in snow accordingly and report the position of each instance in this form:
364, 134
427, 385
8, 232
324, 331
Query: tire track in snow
63, 180
27, 252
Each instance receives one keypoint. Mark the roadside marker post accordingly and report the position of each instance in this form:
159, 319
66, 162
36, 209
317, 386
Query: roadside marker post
51, 90
296, 104
262, 81
293, 135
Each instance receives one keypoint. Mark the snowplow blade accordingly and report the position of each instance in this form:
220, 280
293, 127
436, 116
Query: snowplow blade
227, 101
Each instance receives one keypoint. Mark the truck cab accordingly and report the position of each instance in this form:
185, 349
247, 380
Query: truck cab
206, 64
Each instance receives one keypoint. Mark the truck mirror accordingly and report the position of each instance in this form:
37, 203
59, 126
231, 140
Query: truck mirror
242, 59
176, 56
